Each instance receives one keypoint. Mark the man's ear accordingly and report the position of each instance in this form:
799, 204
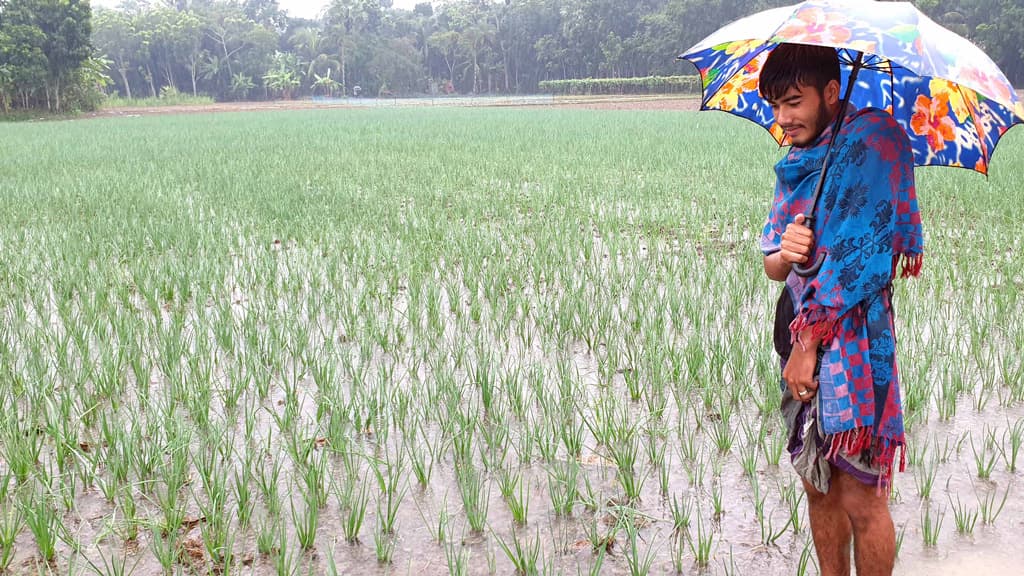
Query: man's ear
832, 92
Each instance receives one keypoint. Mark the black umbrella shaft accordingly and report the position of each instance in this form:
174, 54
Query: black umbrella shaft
810, 215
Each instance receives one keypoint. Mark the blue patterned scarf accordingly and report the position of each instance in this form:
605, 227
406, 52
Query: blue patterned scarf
868, 224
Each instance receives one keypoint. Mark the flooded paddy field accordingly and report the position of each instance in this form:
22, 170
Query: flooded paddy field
459, 341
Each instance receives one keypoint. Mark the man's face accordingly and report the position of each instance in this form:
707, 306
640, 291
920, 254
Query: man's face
804, 112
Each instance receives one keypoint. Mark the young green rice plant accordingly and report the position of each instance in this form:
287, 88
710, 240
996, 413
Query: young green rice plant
245, 504
547, 436
723, 435
793, 497
806, 558
639, 563
924, 477
748, 459
267, 533
286, 562
306, 522
21, 447
268, 483
717, 503
392, 492
113, 566
701, 546
623, 451
383, 543
457, 558
681, 513
990, 511
165, 548
931, 526
12, 519
601, 420
516, 494
354, 513
986, 458
524, 556
688, 440
474, 490
1014, 436
129, 514
218, 535
44, 522
495, 441
964, 517
563, 486
571, 432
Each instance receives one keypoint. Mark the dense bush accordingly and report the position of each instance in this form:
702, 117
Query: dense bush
646, 85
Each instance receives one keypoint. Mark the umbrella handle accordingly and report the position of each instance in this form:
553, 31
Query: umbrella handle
812, 270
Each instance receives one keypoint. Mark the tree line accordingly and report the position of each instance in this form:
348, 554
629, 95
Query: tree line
59, 54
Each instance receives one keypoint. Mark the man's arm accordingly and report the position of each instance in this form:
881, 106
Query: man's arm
776, 268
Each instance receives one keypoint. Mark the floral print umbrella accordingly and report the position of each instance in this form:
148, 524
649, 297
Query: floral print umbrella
952, 100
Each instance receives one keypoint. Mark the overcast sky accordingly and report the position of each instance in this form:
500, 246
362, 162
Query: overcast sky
297, 8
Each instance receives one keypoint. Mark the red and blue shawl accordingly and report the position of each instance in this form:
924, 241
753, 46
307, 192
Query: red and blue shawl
869, 226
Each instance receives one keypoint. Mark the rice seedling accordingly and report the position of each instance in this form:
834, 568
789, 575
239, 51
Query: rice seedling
985, 460
639, 563
963, 517
990, 510
1014, 436
474, 490
931, 525
457, 560
806, 558
563, 486
11, 523
43, 522
924, 478
524, 555
383, 542
701, 546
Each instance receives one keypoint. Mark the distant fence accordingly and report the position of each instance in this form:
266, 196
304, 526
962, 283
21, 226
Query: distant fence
608, 86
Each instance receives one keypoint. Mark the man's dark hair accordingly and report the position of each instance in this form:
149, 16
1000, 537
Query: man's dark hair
791, 64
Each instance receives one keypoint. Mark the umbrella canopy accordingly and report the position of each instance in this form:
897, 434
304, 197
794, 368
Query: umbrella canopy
947, 94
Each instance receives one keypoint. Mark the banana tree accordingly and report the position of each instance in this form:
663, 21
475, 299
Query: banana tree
326, 83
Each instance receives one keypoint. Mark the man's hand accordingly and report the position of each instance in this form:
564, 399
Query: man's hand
799, 372
797, 242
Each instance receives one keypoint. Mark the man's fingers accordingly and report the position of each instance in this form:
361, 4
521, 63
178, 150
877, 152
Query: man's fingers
793, 257
794, 231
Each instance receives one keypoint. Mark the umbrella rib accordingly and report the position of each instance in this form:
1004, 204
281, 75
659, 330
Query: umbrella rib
974, 119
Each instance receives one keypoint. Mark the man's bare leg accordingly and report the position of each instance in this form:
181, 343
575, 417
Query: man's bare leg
830, 528
874, 536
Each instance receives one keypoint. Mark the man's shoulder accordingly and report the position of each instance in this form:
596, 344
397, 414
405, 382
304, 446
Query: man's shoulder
875, 120
877, 125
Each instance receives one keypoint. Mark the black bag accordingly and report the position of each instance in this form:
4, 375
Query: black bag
785, 313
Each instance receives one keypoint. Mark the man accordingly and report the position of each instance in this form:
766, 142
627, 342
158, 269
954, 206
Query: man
834, 331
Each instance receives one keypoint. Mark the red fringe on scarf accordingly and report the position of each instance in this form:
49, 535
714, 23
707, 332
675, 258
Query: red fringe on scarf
911, 265
823, 330
884, 450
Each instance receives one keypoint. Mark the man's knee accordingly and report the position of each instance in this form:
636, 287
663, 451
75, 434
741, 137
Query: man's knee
864, 504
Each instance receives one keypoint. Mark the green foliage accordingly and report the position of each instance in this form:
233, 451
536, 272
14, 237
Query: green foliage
648, 85
253, 50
